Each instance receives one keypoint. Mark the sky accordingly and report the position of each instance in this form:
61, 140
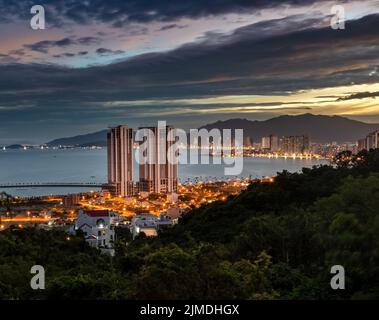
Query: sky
191, 62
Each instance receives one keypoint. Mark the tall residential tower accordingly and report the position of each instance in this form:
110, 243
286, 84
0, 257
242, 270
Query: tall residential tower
120, 160
159, 174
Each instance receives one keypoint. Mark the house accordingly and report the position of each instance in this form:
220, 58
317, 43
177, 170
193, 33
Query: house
174, 213
98, 228
148, 224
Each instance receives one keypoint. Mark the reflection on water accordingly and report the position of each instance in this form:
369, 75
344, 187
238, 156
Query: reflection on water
85, 165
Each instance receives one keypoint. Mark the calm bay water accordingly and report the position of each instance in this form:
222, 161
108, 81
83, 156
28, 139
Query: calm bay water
79, 165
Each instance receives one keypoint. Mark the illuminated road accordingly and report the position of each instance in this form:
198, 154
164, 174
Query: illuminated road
18, 220
50, 184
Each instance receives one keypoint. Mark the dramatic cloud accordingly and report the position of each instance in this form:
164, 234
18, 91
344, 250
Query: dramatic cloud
172, 26
245, 62
44, 46
70, 55
105, 51
359, 95
121, 12
88, 40
273, 66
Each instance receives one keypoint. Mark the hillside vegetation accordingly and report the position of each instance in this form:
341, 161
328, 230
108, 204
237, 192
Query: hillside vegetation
274, 241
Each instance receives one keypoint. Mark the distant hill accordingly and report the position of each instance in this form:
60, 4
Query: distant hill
15, 147
92, 139
319, 128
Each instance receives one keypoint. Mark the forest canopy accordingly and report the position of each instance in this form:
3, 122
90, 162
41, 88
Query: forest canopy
276, 240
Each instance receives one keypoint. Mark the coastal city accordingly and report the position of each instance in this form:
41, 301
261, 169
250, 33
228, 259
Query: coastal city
180, 159
157, 200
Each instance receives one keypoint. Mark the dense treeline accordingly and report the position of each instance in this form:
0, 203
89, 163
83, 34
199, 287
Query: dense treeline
274, 241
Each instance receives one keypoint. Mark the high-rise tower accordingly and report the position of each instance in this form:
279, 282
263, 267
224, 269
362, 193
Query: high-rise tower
120, 160
159, 174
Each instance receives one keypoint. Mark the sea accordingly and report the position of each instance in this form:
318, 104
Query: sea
90, 166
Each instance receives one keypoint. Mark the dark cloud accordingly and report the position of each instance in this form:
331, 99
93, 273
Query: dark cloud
68, 55
249, 61
121, 12
18, 52
270, 58
172, 26
359, 95
88, 40
45, 45
105, 51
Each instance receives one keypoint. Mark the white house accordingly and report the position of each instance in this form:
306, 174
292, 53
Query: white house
148, 224
98, 228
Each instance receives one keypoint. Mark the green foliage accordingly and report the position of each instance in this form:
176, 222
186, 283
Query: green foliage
63, 260
349, 231
168, 273
274, 241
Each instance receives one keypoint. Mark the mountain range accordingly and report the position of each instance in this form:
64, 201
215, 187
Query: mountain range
98, 138
319, 128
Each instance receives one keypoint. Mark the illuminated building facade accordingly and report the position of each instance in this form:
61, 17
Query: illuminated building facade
120, 160
158, 174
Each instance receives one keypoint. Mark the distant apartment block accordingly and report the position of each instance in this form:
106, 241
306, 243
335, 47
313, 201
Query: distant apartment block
266, 143
290, 144
248, 142
371, 141
71, 200
295, 144
274, 143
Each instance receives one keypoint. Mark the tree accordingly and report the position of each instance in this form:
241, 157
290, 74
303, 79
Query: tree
167, 273
348, 224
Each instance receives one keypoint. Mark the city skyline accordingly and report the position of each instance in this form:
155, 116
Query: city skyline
137, 62
297, 125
